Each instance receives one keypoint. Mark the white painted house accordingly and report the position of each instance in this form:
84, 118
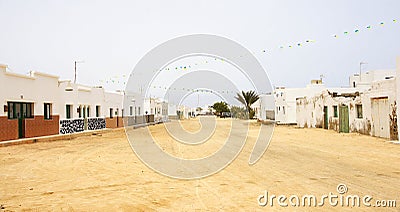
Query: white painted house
41, 104
264, 107
285, 100
367, 110
30, 104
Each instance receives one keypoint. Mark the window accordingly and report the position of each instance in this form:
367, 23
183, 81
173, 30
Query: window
47, 111
28, 113
111, 113
139, 111
97, 110
80, 111
130, 110
11, 111
19, 110
354, 84
84, 111
68, 114
359, 111
88, 111
335, 112
283, 108
122, 113
151, 111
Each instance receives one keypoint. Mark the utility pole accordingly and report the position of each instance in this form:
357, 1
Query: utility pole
75, 70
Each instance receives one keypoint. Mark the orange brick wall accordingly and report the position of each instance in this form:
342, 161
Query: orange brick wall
120, 122
112, 122
8, 128
38, 126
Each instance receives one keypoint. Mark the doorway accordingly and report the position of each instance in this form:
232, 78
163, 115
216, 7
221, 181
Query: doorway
20, 111
380, 117
325, 117
344, 119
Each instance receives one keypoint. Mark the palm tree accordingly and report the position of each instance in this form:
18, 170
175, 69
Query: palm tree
248, 98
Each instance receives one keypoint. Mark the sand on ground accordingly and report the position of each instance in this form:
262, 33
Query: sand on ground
101, 172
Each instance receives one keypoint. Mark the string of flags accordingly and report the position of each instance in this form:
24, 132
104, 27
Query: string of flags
192, 90
122, 79
357, 30
116, 79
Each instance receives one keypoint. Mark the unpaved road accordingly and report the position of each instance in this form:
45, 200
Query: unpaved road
102, 173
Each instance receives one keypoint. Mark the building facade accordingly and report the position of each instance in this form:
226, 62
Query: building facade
30, 105
285, 100
370, 111
264, 107
40, 104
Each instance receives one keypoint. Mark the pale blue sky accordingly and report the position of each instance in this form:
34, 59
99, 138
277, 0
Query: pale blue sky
111, 36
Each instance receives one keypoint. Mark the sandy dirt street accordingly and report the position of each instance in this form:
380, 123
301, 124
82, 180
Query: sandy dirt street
101, 172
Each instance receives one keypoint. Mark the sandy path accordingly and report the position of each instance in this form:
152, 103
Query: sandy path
103, 173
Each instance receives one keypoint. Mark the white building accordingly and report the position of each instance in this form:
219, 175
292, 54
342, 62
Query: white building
367, 110
285, 100
366, 78
41, 104
185, 112
30, 104
264, 107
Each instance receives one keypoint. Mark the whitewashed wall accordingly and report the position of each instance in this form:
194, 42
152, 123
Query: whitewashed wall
285, 101
310, 109
89, 96
36, 87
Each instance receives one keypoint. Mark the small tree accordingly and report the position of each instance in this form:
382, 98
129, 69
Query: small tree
220, 107
238, 112
247, 99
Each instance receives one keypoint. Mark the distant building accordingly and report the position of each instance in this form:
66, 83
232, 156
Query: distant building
285, 100
264, 107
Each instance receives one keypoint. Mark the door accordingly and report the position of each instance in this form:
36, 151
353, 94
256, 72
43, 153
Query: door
19, 111
384, 120
380, 117
325, 117
343, 119
20, 117
375, 117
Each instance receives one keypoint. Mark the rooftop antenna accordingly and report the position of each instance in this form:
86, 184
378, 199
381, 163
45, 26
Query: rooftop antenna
75, 69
